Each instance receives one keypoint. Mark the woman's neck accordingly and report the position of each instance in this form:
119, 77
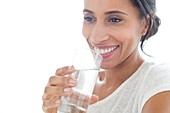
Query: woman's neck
111, 79
123, 71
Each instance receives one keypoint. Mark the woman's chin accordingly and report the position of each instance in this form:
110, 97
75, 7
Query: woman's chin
106, 66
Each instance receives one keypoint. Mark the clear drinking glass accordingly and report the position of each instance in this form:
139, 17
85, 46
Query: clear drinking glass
87, 64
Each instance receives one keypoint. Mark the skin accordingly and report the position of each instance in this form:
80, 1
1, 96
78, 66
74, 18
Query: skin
108, 23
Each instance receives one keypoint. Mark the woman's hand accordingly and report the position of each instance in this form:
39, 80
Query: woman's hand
60, 85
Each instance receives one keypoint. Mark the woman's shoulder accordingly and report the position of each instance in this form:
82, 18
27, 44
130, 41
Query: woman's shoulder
154, 73
151, 69
155, 80
158, 67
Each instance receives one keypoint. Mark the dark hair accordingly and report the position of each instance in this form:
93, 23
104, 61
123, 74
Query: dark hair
148, 8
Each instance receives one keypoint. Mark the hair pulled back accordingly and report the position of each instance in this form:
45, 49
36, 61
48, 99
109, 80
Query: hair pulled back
148, 8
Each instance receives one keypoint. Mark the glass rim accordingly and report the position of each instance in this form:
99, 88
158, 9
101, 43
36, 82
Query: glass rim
90, 50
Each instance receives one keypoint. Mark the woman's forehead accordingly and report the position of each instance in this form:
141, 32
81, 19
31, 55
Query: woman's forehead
103, 6
107, 4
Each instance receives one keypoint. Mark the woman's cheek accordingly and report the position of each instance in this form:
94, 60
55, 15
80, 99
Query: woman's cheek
86, 33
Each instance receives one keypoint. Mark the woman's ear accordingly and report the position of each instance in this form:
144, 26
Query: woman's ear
145, 24
148, 23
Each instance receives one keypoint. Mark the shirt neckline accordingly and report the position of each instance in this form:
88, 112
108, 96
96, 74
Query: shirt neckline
105, 100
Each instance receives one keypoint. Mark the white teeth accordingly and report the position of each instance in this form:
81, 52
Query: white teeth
105, 51
102, 51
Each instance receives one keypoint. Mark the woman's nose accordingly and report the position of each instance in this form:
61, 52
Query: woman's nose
99, 34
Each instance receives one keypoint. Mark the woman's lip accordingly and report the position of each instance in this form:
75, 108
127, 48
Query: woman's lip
107, 55
102, 46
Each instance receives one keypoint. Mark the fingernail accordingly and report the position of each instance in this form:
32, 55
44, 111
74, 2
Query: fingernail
67, 90
72, 82
57, 102
70, 68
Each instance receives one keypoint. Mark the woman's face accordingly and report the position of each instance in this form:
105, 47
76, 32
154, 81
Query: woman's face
113, 28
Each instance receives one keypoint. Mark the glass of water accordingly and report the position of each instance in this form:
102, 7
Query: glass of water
87, 64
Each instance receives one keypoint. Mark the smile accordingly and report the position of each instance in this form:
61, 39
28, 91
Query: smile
105, 50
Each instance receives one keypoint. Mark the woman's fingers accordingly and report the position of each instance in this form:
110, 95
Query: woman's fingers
62, 81
57, 91
46, 97
94, 99
58, 85
65, 70
51, 103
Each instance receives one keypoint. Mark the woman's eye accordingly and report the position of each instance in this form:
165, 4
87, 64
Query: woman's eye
89, 19
114, 20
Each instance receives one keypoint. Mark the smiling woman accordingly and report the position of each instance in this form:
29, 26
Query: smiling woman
38, 36
128, 83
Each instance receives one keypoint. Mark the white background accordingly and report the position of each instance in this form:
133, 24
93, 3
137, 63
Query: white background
37, 36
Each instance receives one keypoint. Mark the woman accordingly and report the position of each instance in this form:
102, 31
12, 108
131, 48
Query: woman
129, 84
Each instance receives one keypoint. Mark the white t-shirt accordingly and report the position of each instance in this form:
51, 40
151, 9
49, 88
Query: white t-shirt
150, 79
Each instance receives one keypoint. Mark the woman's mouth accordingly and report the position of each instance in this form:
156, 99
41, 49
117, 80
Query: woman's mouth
106, 52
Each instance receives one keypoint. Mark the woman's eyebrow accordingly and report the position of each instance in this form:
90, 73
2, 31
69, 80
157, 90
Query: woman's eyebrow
108, 12
89, 11
116, 12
